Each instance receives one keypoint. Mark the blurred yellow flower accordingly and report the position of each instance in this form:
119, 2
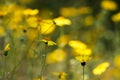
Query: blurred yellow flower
69, 11
32, 21
77, 44
101, 68
31, 35
61, 75
84, 10
2, 31
116, 17
62, 40
30, 12
109, 5
57, 55
48, 42
117, 61
61, 21
88, 21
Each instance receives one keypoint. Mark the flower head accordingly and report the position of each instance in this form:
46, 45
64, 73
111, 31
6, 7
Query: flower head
101, 68
6, 49
61, 21
48, 42
61, 75
108, 5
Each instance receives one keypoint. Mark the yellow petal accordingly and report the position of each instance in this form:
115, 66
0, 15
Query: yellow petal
61, 21
101, 68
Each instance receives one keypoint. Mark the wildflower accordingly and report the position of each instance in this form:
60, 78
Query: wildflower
62, 40
83, 59
57, 55
61, 21
48, 42
84, 10
77, 44
61, 75
117, 61
46, 26
30, 12
81, 52
88, 20
108, 5
6, 49
116, 17
101, 68
69, 11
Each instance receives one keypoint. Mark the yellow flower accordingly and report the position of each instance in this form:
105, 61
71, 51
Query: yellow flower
48, 42
32, 21
116, 17
117, 61
46, 26
57, 55
61, 21
88, 21
61, 75
77, 44
101, 68
62, 40
108, 5
84, 10
83, 58
6, 49
30, 12
69, 11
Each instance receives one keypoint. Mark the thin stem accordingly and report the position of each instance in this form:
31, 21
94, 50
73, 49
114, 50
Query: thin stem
83, 72
43, 61
5, 66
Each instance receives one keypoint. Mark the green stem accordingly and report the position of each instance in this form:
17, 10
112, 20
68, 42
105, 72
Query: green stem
5, 67
83, 73
43, 62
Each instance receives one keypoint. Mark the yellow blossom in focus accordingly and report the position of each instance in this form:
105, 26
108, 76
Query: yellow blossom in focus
77, 44
57, 55
62, 40
2, 31
61, 21
116, 17
30, 12
117, 61
101, 68
48, 42
61, 75
83, 58
108, 5
70, 11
